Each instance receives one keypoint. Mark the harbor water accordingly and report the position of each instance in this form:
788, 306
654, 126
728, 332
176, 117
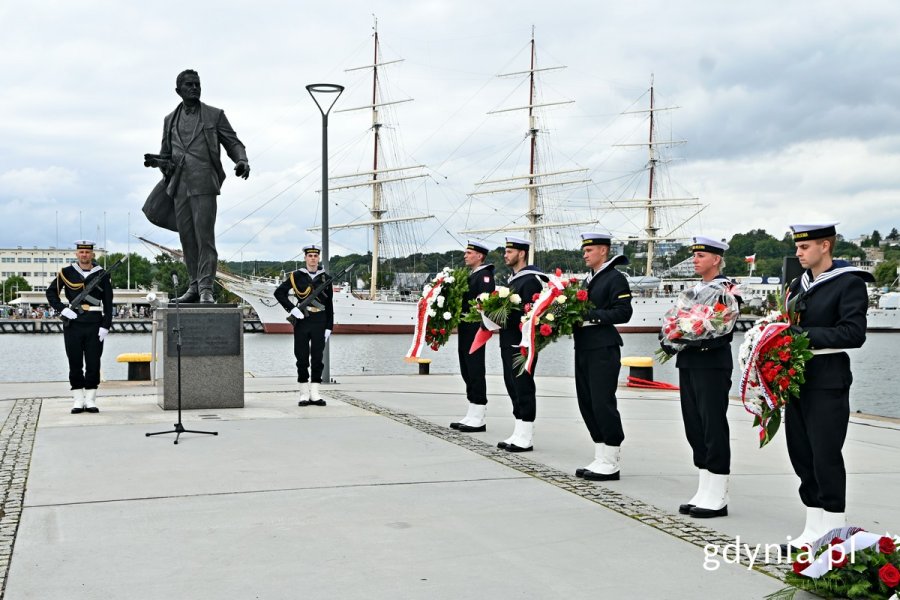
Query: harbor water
35, 358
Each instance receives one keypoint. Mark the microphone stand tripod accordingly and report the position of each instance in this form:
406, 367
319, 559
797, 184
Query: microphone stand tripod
179, 428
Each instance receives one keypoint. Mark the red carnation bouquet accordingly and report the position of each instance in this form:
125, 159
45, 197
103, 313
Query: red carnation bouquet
704, 312
773, 366
553, 313
865, 565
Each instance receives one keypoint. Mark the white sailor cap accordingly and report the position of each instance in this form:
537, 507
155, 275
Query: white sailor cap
312, 249
84, 244
705, 244
813, 231
517, 243
477, 246
592, 238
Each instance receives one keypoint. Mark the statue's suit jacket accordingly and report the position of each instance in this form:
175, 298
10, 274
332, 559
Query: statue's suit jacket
216, 130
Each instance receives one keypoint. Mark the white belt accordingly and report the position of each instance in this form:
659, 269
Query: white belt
826, 351
92, 308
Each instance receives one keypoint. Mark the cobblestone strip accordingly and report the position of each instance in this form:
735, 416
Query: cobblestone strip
16, 442
683, 528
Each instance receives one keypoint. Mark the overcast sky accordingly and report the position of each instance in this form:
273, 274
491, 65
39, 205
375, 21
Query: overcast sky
789, 110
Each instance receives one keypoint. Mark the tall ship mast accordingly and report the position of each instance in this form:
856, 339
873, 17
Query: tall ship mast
382, 176
654, 201
536, 181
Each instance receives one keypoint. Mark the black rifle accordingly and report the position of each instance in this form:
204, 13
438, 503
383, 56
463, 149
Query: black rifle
76, 302
327, 280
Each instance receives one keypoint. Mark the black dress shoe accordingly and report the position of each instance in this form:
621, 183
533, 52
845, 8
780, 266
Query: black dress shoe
303, 403
685, 509
206, 297
709, 513
514, 448
455, 425
591, 476
189, 297
502, 445
580, 472
317, 403
92, 409
77, 411
469, 429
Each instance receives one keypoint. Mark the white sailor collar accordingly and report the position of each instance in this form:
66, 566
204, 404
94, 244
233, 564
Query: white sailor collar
485, 266
837, 269
619, 259
311, 275
526, 270
84, 274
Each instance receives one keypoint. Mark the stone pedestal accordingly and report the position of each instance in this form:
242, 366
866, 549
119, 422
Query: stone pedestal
212, 357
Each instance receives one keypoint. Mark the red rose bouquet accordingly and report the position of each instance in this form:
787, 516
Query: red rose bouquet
554, 313
773, 365
704, 312
863, 566
438, 310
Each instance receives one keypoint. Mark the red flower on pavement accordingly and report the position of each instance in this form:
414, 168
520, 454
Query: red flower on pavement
799, 566
839, 558
546, 330
886, 545
582, 295
889, 575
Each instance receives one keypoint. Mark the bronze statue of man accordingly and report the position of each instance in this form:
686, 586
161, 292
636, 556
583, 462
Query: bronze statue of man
190, 162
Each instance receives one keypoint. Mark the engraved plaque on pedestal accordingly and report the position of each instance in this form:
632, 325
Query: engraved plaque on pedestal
212, 357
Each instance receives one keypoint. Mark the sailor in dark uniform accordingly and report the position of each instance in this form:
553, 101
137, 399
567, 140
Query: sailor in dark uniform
598, 357
526, 281
313, 324
704, 378
471, 366
830, 301
83, 333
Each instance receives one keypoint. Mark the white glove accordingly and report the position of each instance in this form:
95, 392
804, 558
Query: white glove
103, 333
69, 313
327, 335
295, 312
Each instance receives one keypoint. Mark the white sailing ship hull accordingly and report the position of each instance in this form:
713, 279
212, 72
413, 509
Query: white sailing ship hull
351, 314
883, 319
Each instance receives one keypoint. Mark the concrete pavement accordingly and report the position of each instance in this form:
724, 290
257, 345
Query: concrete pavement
374, 496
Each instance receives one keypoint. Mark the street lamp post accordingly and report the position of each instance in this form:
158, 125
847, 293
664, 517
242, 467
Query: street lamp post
325, 91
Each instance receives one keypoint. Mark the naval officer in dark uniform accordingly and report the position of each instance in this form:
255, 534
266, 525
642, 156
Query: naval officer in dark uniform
83, 333
313, 324
704, 379
598, 357
829, 301
526, 281
471, 366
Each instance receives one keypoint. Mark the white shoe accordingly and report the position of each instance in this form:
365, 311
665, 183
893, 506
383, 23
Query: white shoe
502, 445
831, 521
304, 394
811, 530
465, 420
714, 501
90, 396
606, 466
685, 509
314, 396
475, 416
78, 404
524, 440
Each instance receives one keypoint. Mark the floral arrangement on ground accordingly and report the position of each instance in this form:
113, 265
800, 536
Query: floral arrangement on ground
865, 566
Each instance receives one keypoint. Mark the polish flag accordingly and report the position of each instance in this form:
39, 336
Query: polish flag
750, 259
